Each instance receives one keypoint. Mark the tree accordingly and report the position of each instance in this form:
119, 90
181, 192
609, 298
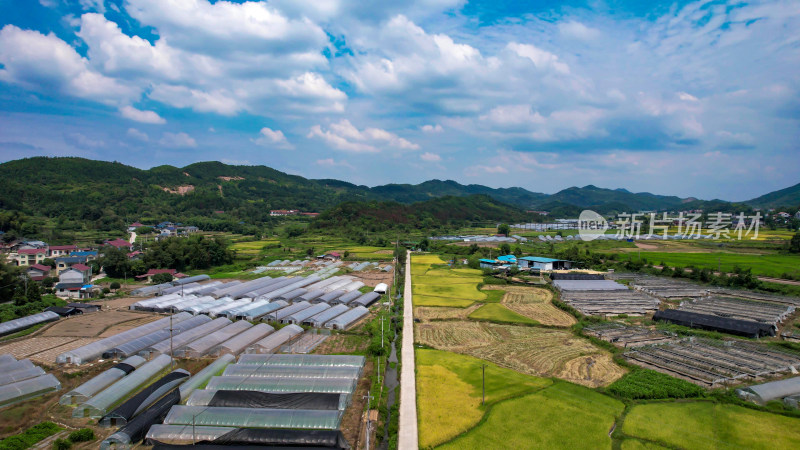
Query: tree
504, 229
517, 251
33, 294
505, 248
115, 262
115, 285
162, 278
49, 262
794, 244
310, 252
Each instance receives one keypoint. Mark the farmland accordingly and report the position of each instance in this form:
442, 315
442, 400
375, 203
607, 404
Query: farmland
530, 350
706, 425
769, 265
495, 312
439, 287
535, 304
448, 382
560, 416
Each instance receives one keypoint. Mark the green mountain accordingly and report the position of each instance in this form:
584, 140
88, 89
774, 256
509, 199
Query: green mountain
450, 210
608, 200
784, 197
109, 195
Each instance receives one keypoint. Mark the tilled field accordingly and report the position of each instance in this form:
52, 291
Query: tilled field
534, 303
43, 349
531, 350
92, 324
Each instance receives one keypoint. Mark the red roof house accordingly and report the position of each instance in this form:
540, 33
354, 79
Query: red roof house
119, 243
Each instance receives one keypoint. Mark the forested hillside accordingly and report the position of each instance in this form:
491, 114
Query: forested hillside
100, 195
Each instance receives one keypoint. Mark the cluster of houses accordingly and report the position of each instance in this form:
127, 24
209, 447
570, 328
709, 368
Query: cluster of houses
166, 229
72, 264
291, 212
527, 263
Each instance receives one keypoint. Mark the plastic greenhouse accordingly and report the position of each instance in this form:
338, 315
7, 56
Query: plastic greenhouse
253, 417
331, 296
12, 326
253, 399
83, 392
270, 343
101, 404
94, 350
346, 298
184, 434
14, 365
762, 393
133, 346
262, 310
204, 345
318, 320
305, 313
273, 384
366, 299
27, 389
347, 319
189, 336
19, 375
303, 360
238, 343
202, 377
253, 370
287, 311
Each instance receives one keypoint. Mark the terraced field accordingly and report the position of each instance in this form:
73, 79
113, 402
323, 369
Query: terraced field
535, 303
530, 350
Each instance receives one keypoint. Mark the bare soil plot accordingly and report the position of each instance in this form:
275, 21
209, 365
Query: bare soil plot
372, 279
535, 303
531, 350
91, 325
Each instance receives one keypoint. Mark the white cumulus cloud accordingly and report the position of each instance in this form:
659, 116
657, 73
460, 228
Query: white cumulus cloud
138, 135
343, 135
177, 140
272, 138
151, 117
430, 157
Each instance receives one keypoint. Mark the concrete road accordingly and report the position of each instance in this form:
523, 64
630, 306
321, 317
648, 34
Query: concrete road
407, 435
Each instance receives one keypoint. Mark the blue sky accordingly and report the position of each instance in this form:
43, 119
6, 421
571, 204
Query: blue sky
685, 98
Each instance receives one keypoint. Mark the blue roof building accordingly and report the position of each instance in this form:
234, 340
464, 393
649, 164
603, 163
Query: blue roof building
542, 263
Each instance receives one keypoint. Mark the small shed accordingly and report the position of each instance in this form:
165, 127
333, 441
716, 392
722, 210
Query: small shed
381, 288
542, 263
85, 307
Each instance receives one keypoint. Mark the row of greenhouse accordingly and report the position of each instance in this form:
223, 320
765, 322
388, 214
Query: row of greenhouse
263, 399
22, 380
196, 336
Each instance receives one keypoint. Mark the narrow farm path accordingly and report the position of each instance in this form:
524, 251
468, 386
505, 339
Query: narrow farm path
408, 438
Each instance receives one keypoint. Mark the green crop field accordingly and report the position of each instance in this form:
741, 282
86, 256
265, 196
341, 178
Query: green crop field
495, 312
443, 287
706, 425
773, 265
561, 416
449, 382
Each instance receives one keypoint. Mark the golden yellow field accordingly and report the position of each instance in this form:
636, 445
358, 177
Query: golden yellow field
531, 350
534, 303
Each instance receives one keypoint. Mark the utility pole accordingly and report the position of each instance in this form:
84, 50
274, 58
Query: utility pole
368, 397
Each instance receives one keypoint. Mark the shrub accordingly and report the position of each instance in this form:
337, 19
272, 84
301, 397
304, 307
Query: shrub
30, 436
82, 435
115, 285
61, 444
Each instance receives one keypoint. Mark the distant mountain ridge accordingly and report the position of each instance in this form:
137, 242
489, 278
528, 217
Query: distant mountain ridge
79, 189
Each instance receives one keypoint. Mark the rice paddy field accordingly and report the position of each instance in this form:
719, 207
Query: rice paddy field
769, 265
559, 416
526, 349
495, 312
534, 304
434, 285
706, 425
448, 382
